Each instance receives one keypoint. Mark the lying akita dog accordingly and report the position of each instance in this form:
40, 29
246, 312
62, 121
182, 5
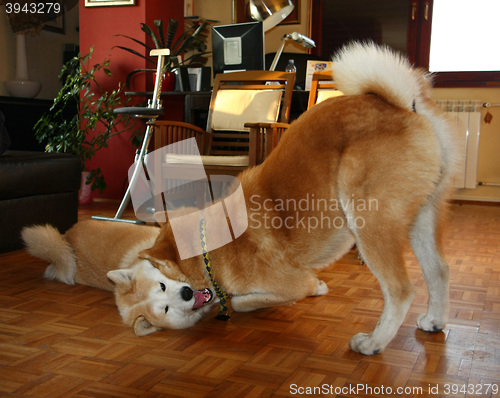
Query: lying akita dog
372, 167
92, 251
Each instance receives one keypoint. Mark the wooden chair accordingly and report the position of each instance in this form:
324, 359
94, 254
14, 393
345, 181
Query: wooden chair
263, 139
265, 136
260, 97
322, 88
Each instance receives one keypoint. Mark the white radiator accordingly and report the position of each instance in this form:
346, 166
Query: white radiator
467, 113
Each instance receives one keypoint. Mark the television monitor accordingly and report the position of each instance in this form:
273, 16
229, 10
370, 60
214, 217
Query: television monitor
238, 47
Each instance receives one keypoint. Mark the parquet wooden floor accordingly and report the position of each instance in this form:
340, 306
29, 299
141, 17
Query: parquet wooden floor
68, 341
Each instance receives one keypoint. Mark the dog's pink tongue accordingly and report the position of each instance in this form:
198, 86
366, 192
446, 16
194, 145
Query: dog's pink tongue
201, 298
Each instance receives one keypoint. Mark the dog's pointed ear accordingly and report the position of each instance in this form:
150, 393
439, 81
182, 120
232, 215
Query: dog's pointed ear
168, 268
164, 247
142, 327
122, 278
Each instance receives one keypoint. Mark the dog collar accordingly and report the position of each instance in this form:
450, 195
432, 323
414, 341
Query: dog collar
221, 294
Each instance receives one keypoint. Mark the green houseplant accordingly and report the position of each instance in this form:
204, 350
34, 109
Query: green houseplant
81, 108
193, 39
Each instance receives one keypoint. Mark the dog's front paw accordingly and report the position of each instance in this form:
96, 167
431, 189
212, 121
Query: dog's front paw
321, 289
428, 323
364, 343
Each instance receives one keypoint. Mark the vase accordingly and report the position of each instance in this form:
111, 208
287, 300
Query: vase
85, 192
22, 85
169, 80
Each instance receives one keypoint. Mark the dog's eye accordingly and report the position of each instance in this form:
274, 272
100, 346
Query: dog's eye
162, 287
166, 309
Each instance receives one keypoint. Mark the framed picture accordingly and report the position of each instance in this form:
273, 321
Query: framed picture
109, 3
242, 13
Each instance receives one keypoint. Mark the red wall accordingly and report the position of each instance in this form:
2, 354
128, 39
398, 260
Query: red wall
98, 25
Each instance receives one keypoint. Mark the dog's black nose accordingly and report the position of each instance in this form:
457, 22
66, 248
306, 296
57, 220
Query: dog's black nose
186, 293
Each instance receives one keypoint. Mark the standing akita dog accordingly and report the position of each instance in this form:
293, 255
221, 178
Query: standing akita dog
373, 167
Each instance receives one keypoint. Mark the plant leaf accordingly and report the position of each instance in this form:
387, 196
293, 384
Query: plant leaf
135, 40
146, 29
159, 25
80, 107
184, 42
135, 53
194, 56
171, 31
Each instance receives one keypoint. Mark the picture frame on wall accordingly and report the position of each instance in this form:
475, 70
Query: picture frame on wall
242, 13
109, 3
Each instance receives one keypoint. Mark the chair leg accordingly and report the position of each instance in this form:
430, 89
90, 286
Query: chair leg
139, 163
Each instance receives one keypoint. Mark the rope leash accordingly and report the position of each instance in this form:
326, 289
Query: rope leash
221, 294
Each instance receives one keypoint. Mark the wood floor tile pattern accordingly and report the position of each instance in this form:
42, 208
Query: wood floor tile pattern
68, 341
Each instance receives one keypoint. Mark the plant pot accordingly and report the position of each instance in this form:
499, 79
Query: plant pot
85, 192
169, 80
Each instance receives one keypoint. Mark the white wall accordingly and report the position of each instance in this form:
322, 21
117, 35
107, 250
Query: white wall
488, 169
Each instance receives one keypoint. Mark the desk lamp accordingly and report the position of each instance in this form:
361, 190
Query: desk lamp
297, 37
272, 12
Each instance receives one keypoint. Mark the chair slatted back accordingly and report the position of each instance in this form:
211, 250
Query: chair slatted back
236, 142
264, 140
320, 81
168, 132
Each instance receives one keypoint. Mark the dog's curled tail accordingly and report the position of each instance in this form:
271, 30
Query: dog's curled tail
47, 243
362, 68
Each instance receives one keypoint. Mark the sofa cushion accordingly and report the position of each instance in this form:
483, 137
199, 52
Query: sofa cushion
57, 209
25, 173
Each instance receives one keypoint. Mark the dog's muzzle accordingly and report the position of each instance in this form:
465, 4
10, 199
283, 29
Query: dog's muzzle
201, 297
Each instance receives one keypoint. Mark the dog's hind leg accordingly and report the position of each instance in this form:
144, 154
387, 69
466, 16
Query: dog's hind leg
427, 246
382, 249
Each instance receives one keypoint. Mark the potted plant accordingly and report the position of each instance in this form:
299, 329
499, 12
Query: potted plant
78, 111
194, 39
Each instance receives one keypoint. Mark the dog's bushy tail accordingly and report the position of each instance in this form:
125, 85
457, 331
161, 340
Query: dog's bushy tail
47, 243
367, 68
362, 68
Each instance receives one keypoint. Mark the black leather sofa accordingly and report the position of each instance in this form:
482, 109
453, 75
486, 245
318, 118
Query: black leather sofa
35, 188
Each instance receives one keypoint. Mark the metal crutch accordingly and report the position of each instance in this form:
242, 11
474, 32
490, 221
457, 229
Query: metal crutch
151, 112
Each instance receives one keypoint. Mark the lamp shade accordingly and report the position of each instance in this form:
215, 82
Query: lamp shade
271, 12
